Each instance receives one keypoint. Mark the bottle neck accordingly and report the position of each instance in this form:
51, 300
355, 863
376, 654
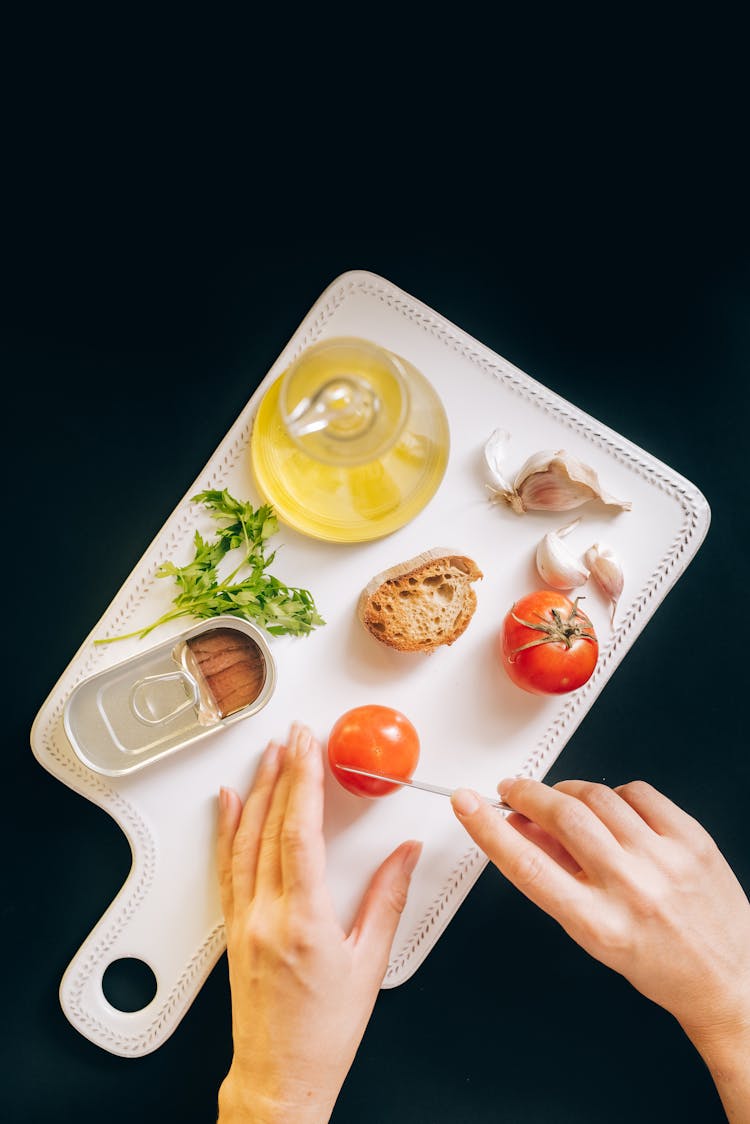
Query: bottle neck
346, 407
344, 404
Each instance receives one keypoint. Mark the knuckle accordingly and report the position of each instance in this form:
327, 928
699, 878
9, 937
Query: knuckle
271, 831
243, 842
397, 897
645, 903
298, 937
520, 788
683, 860
609, 936
525, 869
678, 863
636, 790
644, 892
256, 933
292, 837
598, 797
570, 817
702, 846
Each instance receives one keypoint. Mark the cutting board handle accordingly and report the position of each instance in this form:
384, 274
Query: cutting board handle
133, 927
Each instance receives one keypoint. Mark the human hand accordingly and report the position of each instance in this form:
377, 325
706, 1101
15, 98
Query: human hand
302, 989
641, 886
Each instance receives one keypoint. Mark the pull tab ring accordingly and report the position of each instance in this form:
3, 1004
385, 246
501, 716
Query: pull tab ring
140, 688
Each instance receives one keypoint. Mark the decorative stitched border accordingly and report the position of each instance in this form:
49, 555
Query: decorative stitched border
135, 589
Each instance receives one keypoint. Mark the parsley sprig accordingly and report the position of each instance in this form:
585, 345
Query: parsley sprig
249, 591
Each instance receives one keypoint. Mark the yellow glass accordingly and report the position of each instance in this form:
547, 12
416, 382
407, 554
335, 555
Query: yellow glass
350, 442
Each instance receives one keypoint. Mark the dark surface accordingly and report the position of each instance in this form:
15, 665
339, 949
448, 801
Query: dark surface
150, 291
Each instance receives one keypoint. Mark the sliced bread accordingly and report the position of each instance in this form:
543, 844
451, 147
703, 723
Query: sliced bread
421, 604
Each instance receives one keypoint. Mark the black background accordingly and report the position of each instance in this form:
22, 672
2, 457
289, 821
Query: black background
179, 201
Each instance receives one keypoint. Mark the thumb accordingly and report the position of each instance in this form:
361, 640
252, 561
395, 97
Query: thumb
382, 905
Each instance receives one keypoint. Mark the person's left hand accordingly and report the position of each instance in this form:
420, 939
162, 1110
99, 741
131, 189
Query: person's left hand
302, 989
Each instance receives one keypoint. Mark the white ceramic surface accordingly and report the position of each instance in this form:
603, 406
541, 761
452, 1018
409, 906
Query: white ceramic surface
475, 726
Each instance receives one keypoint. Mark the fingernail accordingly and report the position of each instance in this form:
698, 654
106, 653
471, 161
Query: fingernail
504, 787
224, 798
292, 742
411, 858
465, 801
271, 753
304, 741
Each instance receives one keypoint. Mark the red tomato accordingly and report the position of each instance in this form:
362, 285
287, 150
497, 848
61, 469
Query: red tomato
375, 738
547, 644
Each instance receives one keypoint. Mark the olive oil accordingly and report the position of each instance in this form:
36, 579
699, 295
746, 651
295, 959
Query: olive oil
355, 474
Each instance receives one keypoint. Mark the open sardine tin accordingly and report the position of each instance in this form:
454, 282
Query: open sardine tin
162, 700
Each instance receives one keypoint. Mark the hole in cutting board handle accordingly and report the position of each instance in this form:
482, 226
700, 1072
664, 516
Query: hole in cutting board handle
128, 984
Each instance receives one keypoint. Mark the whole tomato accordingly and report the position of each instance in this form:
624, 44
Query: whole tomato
547, 644
378, 739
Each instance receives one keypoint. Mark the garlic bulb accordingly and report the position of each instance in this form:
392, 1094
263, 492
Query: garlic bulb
607, 572
557, 565
548, 481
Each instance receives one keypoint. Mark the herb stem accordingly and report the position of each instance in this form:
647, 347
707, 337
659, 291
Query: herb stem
258, 596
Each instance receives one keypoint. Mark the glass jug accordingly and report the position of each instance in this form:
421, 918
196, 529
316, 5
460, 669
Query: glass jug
350, 442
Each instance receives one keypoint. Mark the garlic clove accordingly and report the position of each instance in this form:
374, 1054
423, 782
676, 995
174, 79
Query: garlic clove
560, 482
557, 565
548, 481
607, 573
494, 455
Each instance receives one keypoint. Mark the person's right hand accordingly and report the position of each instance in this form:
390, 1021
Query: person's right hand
640, 885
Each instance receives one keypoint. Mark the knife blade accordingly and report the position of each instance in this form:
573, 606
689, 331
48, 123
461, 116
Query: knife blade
422, 785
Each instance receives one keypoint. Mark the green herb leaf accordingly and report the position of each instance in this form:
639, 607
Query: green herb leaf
249, 591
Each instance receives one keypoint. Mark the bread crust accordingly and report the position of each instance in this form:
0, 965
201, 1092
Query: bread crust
423, 603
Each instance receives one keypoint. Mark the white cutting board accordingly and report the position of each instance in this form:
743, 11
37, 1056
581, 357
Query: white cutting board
475, 726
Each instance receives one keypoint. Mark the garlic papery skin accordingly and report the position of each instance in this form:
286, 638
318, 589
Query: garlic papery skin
494, 456
557, 565
555, 481
607, 573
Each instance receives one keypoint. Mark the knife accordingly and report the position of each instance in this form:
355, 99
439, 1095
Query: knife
421, 785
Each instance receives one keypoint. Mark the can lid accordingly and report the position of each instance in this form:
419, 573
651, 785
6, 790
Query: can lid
159, 701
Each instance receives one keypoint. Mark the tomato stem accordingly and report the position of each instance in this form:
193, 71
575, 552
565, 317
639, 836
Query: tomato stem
560, 630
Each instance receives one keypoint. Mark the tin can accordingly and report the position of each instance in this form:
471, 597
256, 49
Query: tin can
160, 701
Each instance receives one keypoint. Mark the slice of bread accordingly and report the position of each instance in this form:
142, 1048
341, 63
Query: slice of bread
423, 603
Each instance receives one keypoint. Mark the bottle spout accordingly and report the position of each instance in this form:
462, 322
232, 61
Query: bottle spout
345, 406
